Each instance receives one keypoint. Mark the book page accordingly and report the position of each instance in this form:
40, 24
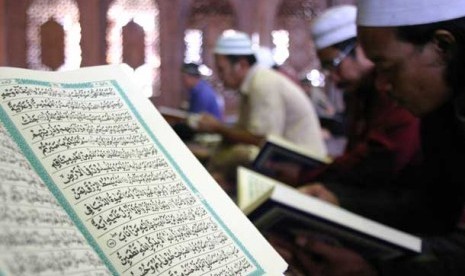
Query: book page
297, 148
37, 237
140, 197
173, 115
251, 191
173, 112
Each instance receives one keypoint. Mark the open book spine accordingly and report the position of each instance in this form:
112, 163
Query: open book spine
118, 183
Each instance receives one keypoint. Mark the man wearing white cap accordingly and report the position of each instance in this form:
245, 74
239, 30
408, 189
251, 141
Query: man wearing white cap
270, 103
383, 138
418, 47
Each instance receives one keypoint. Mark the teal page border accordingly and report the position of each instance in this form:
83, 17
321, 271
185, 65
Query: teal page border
36, 164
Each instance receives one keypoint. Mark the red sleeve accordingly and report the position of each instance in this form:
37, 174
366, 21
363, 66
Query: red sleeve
391, 142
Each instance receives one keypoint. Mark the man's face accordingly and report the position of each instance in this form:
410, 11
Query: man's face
188, 80
344, 69
228, 73
414, 76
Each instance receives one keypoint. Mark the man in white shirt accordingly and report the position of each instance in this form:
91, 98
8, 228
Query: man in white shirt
270, 103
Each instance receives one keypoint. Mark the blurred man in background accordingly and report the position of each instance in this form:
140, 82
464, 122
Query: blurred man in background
383, 138
270, 103
202, 96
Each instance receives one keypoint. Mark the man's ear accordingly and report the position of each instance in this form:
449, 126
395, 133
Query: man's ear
444, 43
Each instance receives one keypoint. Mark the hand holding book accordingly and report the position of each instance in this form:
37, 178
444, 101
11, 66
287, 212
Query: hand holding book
310, 254
314, 256
275, 207
285, 161
319, 191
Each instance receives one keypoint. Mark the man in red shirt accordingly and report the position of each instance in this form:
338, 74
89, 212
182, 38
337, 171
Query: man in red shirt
383, 138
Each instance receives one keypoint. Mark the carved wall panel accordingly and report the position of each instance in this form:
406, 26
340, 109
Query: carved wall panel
101, 26
133, 45
52, 44
53, 35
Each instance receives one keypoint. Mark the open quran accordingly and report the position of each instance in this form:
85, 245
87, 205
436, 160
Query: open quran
276, 207
95, 182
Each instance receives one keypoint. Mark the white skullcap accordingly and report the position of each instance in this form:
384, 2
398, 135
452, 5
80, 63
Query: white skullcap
334, 25
393, 13
234, 43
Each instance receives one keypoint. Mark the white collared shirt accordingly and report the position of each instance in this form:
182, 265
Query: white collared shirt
273, 104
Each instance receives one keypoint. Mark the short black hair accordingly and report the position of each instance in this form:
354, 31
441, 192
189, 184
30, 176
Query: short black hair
191, 69
251, 59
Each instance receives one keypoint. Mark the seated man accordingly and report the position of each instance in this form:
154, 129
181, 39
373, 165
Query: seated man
270, 103
202, 96
418, 48
383, 138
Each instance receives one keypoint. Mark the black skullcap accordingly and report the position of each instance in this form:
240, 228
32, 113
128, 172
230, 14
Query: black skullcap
190, 69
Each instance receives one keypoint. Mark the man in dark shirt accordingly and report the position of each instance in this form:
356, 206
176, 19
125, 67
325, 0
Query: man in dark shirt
418, 48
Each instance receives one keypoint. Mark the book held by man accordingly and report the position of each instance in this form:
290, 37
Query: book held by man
278, 208
95, 182
284, 160
173, 115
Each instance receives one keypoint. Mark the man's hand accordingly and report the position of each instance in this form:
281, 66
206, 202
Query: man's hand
318, 258
286, 172
208, 123
318, 190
